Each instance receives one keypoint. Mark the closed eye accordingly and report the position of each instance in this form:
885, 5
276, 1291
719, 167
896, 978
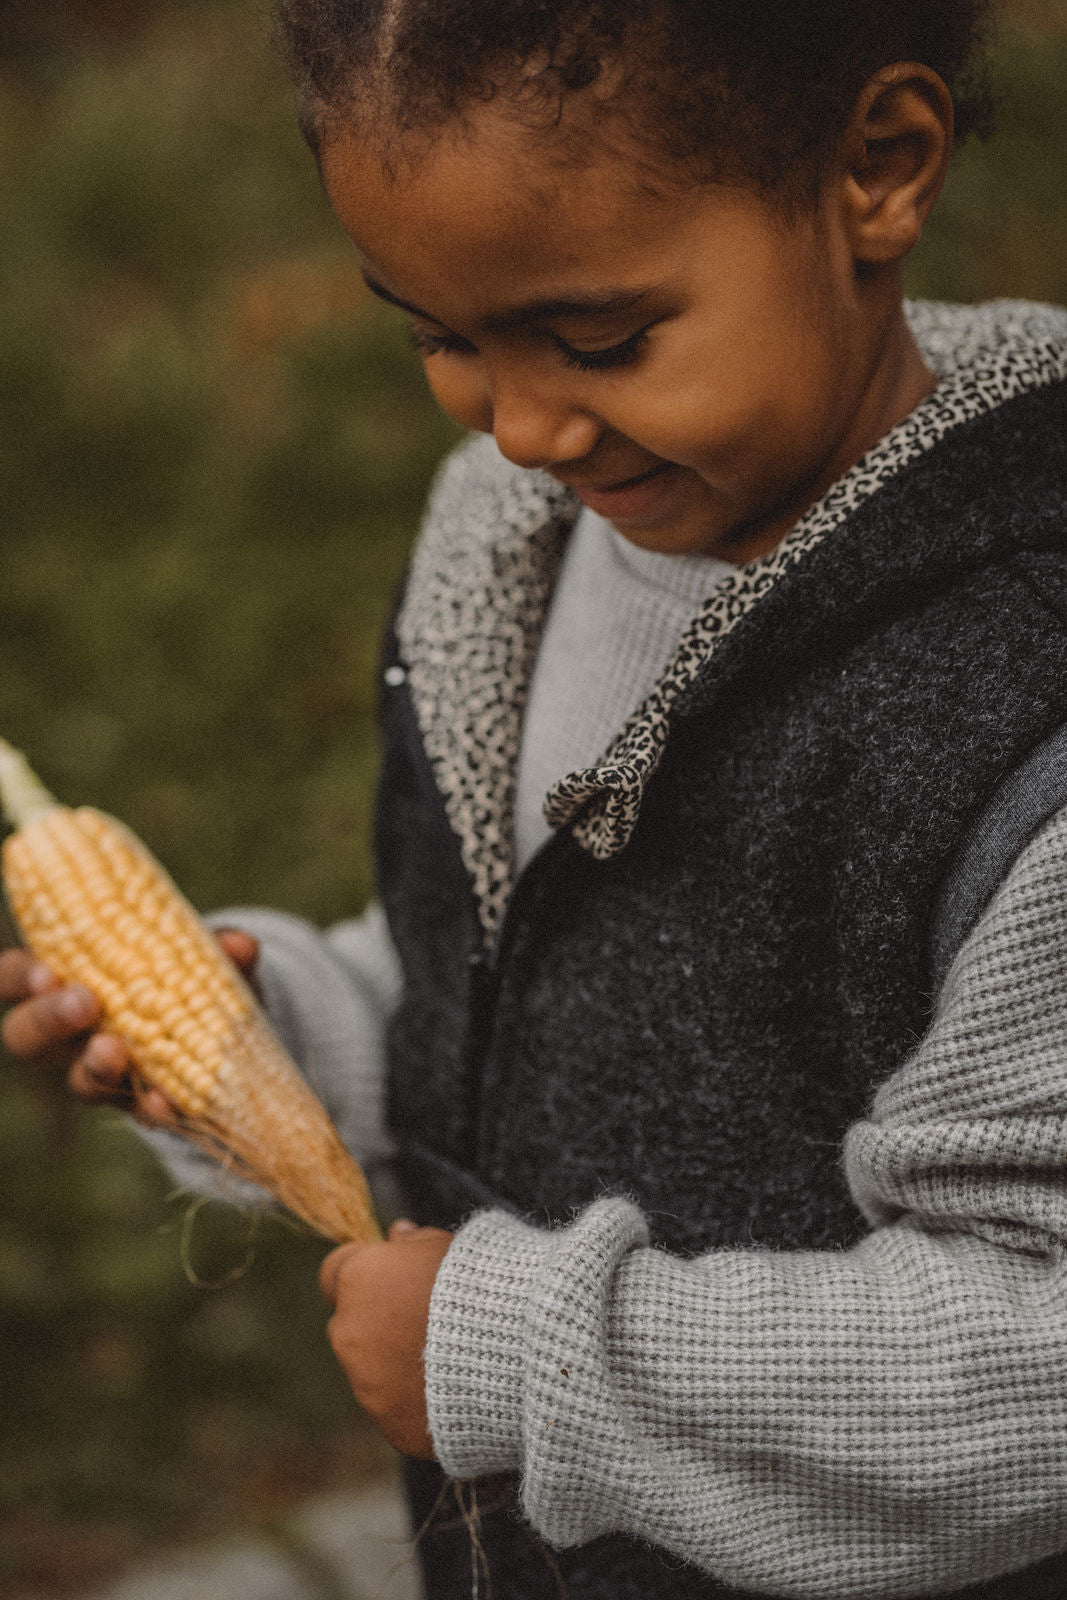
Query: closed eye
613, 355
428, 343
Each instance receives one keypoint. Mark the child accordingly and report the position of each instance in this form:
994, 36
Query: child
727, 1089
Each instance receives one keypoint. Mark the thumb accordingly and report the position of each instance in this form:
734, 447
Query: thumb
242, 948
334, 1264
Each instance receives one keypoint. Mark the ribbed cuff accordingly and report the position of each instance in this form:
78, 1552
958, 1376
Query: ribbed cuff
515, 1352
477, 1343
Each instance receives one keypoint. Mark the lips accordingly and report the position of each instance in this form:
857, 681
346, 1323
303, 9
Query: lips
630, 497
624, 483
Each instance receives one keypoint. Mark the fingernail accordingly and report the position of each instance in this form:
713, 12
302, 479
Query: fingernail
99, 1062
404, 1225
40, 978
76, 1006
155, 1108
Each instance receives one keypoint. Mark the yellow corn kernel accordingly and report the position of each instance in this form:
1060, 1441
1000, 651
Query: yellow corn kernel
93, 903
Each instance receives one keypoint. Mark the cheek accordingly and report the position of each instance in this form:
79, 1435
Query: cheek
460, 389
739, 408
692, 421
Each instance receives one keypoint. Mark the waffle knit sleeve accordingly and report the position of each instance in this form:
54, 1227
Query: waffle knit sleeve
330, 996
883, 1422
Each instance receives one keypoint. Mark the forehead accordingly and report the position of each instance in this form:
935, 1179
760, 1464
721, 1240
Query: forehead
487, 208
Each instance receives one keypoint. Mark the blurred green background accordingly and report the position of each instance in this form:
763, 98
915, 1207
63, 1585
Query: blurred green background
213, 449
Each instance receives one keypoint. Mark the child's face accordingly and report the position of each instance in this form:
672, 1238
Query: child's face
698, 368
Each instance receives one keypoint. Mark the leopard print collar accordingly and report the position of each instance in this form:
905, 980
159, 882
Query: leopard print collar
483, 571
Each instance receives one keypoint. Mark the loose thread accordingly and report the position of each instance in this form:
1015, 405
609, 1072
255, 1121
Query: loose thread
449, 1483
419, 1534
472, 1529
492, 1494
185, 1244
479, 1561
398, 1566
554, 1569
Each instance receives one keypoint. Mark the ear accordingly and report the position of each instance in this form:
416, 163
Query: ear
896, 152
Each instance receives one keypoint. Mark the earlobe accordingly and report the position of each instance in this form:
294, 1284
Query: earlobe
896, 149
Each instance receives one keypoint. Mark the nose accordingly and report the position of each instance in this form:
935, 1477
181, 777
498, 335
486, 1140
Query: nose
536, 427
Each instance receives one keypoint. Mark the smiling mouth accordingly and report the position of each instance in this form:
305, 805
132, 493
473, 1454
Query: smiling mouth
633, 500
623, 484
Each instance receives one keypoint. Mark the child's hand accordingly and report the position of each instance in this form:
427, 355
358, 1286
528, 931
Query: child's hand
52, 1022
381, 1293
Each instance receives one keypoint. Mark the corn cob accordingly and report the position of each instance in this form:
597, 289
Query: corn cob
95, 906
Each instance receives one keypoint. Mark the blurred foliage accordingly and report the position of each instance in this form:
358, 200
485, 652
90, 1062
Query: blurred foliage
164, 1367
213, 450
1000, 227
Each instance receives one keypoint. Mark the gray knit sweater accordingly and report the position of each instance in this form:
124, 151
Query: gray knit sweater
616, 616
886, 1421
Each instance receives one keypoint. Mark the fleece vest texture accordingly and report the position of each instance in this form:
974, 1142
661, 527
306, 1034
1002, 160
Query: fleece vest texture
696, 1021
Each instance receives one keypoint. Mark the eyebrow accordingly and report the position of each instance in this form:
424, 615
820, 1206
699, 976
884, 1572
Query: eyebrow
598, 302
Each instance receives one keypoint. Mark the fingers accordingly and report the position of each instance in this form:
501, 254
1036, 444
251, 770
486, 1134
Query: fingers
335, 1263
243, 950
46, 1014
101, 1072
152, 1109
347, 1256
241, 947
22, 975
46, 1021
381, 1296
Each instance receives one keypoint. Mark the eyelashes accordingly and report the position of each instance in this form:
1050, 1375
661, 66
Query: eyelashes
431, 344
615, 355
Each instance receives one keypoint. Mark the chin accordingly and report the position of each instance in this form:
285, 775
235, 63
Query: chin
688, 538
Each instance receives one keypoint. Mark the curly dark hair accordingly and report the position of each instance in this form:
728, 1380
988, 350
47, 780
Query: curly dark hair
757, 91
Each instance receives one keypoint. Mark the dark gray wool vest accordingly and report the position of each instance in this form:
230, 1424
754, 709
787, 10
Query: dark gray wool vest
696, 1021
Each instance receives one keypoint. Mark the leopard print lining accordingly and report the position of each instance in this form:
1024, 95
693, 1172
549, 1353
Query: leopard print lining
468, 630
483, 572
